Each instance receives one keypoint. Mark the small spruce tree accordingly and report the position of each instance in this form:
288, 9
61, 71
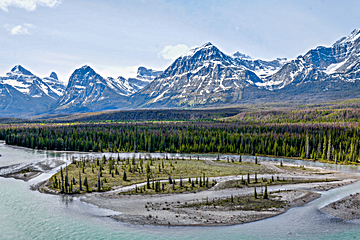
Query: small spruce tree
265, 196
124, 176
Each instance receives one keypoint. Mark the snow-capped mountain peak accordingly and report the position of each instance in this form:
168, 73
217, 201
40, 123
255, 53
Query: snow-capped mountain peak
18, 69
353, 37
206, 52
55, 84
54, 75
202, 75
84, 76
28, 85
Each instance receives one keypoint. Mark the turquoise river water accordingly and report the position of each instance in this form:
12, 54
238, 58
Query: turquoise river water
27, 214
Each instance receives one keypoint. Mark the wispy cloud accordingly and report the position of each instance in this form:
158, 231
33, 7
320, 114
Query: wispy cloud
29, 5
19, 29
170, 52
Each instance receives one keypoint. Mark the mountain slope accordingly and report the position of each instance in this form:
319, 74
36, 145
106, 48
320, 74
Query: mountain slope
127, 87
203, 76
24, 94
339, 62
260, 67
88, 91
55, 84
27, 83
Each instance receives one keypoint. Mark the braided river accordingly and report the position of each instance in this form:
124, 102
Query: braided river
28, 214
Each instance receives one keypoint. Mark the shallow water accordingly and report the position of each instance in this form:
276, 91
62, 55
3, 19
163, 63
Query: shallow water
26, 214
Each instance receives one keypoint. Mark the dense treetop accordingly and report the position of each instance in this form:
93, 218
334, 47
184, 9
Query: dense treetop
333, 142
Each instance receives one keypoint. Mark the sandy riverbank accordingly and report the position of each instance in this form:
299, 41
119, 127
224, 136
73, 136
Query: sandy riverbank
174, 214
23, 176
347, 208
167, 209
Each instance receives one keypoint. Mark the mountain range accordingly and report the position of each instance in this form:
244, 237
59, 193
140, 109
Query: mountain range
202, 77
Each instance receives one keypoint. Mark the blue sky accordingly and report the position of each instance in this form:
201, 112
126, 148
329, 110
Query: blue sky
115, 36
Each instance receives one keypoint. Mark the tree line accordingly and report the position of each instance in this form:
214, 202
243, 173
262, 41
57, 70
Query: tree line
332, 142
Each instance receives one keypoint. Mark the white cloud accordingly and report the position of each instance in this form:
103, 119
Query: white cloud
28, 25
19, 29
29, 5
170, 52
113, 71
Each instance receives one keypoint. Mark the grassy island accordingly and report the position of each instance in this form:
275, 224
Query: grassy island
104, 174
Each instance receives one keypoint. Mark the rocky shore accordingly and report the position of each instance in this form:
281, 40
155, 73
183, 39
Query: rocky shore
168, 209
347, 208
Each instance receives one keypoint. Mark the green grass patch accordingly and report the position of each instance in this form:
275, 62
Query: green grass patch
111, 172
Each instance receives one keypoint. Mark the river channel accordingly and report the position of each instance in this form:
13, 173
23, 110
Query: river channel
28, 214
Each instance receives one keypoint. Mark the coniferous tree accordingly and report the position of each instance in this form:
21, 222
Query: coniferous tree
265, 196
329, 153
80, 181
124, 176
86, 184
98, 183
148, 181
66, 181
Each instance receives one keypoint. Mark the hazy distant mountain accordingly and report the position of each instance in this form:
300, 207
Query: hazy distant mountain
262, 68
143, 78
130, 86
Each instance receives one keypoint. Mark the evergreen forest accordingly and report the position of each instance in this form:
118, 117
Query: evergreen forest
334, 142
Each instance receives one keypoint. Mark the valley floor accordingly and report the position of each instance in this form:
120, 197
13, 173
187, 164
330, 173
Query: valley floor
190, 209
